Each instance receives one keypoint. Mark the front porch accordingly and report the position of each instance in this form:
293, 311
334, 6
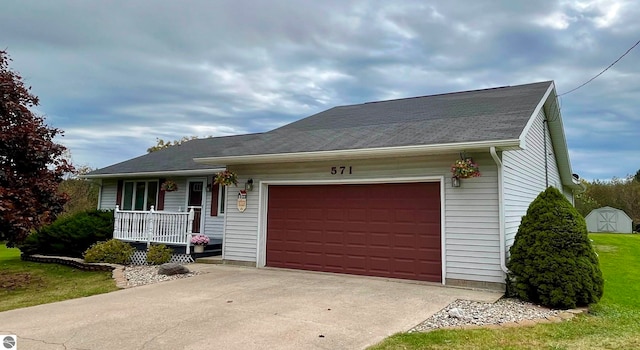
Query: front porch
173, 229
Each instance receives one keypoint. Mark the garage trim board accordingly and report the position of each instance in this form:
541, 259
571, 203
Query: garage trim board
263, 200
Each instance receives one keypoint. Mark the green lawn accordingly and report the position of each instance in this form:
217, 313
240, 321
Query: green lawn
25, 283
613, 324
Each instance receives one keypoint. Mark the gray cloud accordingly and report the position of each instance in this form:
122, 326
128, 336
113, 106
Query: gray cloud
115, 75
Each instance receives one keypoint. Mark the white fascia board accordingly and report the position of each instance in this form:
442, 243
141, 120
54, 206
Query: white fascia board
534, 115
562, 156
363, 153
155, 173
559, 141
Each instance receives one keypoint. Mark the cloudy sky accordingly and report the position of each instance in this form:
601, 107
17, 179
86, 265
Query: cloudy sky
116, 75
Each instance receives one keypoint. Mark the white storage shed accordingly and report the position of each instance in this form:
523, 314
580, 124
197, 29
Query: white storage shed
608, 219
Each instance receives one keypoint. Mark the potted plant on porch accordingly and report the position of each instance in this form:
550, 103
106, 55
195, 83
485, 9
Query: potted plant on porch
199, 241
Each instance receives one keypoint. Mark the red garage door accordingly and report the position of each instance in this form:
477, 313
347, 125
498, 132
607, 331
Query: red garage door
387, 230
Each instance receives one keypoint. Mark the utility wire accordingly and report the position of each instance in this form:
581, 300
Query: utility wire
604, 70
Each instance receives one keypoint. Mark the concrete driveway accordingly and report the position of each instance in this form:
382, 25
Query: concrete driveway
232, 307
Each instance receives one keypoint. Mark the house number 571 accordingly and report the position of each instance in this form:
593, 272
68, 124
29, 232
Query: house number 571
341, 170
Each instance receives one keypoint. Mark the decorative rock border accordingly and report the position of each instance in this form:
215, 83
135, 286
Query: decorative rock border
506, 312
117, 271
562, 316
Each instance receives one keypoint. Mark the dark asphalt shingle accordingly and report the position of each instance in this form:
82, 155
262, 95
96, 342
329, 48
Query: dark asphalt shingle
177, 157
470, 116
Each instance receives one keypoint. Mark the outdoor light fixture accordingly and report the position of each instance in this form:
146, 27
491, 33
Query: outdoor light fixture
209, 183
248, 185
455, 182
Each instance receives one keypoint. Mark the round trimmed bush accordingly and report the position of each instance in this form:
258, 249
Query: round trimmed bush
112, 251
159, 254
552, 261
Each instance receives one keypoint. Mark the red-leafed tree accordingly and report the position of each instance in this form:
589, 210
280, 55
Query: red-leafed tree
31, 163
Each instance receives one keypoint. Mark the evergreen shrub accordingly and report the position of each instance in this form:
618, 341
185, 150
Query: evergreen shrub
552, 260
71, 235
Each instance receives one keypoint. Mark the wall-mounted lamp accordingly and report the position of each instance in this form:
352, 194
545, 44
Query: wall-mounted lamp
209, 183
455, 181
248, 185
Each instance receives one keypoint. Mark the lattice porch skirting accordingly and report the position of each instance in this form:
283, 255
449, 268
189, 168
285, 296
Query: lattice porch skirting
139, 257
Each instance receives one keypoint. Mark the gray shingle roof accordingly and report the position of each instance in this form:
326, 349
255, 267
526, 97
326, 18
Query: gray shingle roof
480, 115
177, 158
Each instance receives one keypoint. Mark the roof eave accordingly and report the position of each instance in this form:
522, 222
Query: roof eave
193, 172
362, 153
559, 141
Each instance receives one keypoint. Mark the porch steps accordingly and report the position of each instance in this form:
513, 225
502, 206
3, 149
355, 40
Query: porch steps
210, 260
219, 261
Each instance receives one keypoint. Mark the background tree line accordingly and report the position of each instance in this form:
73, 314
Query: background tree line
82, 194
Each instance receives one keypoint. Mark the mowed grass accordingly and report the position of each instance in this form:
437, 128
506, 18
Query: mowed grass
24, 283
614, 323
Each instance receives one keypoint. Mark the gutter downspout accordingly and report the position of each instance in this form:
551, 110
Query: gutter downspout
503, 248
546, 153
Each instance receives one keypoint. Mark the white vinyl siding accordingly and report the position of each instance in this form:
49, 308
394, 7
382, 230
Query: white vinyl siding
177, 200
241, 244
471, 211
569, 194
472, 225
524, 175
213, 225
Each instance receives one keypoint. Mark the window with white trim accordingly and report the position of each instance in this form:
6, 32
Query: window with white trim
222, 200
139, 195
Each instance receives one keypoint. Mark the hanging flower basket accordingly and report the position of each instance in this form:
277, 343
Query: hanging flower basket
465, 168
169, 186
226, 178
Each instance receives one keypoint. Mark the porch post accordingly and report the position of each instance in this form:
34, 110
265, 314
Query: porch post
189, 230
117, 224
150, 226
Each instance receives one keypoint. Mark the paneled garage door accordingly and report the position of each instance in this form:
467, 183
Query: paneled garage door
386, 230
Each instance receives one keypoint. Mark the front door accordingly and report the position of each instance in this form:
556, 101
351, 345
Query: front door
194, 201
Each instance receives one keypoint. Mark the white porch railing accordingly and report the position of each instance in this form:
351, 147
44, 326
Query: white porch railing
152, 226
